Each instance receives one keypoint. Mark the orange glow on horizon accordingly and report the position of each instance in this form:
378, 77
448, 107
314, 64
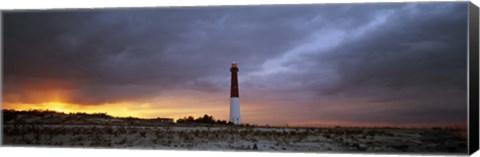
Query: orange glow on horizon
164, 108
116, 110
259, 114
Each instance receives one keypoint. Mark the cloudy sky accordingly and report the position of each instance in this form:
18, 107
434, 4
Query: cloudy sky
400, 64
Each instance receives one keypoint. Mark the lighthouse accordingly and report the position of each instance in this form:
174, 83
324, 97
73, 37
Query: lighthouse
234, 99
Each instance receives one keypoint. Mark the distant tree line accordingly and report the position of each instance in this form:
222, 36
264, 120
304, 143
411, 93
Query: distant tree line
206, 119
9, 114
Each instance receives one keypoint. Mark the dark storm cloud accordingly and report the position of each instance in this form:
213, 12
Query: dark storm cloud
95, 51
405, 61
413, 64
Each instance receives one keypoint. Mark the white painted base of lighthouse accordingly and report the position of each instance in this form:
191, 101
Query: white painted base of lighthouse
235, 110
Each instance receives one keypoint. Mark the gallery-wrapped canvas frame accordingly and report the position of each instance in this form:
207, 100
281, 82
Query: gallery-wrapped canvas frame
311, 78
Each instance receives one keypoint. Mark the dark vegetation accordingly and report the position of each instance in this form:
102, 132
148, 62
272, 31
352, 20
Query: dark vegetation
78, 118
206, 119
82, 118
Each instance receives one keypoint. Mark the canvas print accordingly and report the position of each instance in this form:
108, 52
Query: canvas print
373, 77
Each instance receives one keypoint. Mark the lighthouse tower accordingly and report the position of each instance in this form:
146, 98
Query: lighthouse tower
234, 101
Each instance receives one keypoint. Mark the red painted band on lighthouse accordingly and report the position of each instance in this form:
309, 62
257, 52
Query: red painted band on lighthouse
234, 85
